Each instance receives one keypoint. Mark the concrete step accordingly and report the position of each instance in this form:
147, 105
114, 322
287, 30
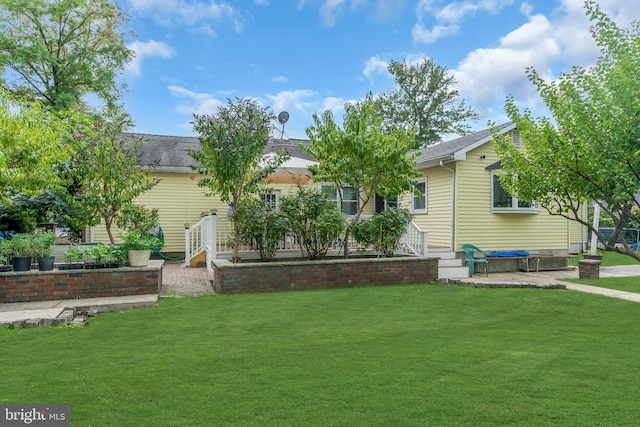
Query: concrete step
453, 272
449, 262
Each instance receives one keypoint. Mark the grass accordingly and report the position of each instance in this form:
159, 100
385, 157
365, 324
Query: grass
614, 258
389, 356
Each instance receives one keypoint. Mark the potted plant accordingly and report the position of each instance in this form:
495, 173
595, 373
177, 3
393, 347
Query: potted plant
138, 246
3, 264
73, 258
20, 249
43, 243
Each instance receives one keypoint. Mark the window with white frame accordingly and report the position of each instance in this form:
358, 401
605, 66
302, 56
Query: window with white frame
381, 204
503, 201
349, 198
272, 198
419, 197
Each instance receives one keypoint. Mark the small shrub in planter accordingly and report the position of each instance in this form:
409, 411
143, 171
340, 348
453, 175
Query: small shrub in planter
383, 230
43, 243
139, 245
103, 256
316, 220
73, 258
20, 250
260, 227
3, 264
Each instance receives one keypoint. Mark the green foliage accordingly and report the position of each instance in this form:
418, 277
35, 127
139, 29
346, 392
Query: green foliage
137, 240
588, 149
383, 230
260, 227
30, 146
362, 154
20, 245
424, 99
104, 254
63, 50
106, 166
316, 221
137, 217
43, 242
75, 253
231, 144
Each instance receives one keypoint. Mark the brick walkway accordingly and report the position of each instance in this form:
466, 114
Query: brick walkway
180, 281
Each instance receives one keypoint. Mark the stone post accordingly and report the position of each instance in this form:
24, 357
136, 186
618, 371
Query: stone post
589, 268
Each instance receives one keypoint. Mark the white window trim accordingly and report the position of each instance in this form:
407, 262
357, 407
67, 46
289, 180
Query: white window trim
338, 195
533, 209
277, 193
413, 197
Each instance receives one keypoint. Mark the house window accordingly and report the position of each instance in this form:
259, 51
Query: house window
419, 198
349, 198
382, 204
502, 201
272, 198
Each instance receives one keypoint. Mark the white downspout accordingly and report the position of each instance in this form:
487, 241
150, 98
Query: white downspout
453, 205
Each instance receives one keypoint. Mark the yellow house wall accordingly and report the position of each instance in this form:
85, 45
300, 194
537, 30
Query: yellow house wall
179, 200
437, 220
476, 224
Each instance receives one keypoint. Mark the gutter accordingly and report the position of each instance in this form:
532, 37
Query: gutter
453, 205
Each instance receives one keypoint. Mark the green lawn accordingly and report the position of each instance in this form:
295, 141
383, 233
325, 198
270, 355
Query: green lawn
614, 258
394, 356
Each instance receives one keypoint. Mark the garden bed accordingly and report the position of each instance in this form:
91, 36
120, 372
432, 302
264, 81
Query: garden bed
37, 285
328, 273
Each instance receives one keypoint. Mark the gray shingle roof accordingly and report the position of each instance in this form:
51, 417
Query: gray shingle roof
446, 150
172, 152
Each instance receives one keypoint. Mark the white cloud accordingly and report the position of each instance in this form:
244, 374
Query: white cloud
188, 12
449, 17
142, 50
279, 79
423, 35
195, 103
328, 11
375, 66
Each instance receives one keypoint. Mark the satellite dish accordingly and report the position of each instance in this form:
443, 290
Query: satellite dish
283, 117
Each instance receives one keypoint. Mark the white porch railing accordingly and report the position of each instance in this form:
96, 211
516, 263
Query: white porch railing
416, 240
214, 235
201, 237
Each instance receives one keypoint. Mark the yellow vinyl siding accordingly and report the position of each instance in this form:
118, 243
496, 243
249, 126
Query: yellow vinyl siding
437, 220
179, 200
476, 224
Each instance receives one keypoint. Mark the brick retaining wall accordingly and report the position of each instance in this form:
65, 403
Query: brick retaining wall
335, 273
72, 284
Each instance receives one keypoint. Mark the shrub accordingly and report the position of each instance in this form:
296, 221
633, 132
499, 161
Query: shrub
260, 227
383, 230
316, 220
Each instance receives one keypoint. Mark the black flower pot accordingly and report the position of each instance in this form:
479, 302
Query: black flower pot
46, 263
21, 263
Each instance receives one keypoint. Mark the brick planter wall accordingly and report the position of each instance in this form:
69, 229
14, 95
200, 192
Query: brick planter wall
72, 284
338, 273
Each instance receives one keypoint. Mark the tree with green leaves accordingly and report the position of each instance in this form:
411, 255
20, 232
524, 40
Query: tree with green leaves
424, 99
31, 143
230, 154
363, 154
107, 168
57, 51
589, 149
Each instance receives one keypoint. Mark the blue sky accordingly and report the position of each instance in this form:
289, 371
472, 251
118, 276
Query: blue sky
306, 56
